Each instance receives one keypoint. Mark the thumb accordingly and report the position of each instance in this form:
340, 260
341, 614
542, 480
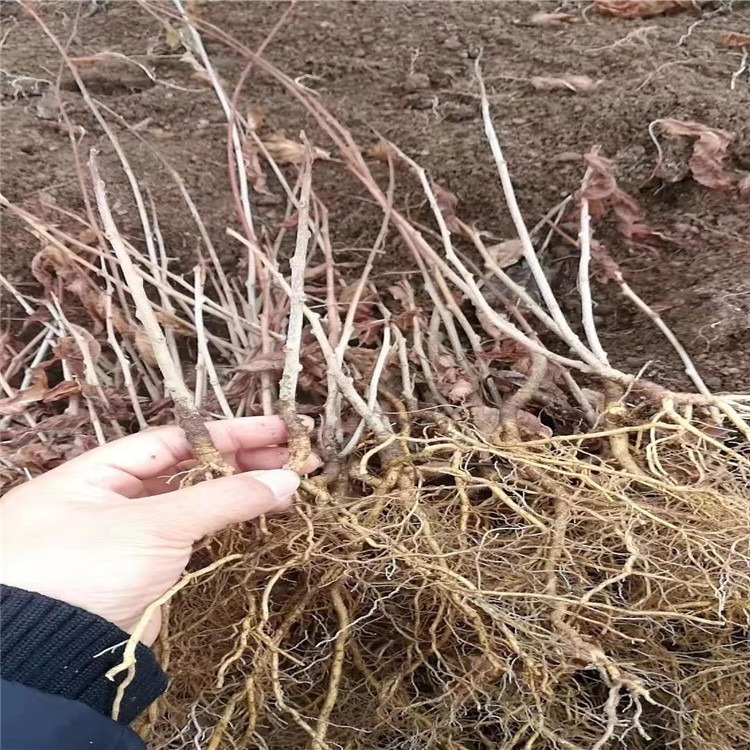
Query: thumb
203, 509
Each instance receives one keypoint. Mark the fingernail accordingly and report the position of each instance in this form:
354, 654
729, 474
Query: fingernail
282, 482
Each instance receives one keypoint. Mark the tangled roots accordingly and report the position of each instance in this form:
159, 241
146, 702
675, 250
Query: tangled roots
477, 595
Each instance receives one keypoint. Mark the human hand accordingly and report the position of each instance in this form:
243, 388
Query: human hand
107, 533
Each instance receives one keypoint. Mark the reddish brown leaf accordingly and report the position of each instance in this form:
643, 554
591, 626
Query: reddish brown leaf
54, 269
603, 193
447, 203
67, 349
256, 175
39, 457
33, 394
604, 264
506, 350
451, 381
367, 324
61, 391
38, 392
263, 363
640, 8
575, 83
291, 222
532, 425
710, 152
733, 39
7, 350
460, 390
144, 347
553, 19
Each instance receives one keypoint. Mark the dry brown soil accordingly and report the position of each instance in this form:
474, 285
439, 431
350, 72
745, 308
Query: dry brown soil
405, 71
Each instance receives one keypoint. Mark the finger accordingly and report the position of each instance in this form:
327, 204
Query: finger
186, 515
252, 460
261, 458
273, 458
123, 464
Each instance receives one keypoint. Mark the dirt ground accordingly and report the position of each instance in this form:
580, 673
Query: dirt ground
404, 70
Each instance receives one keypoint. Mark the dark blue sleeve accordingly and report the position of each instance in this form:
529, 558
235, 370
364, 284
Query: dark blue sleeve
32, 720
55, 693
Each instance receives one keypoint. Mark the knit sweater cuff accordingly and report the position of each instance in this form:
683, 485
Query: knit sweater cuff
60, 649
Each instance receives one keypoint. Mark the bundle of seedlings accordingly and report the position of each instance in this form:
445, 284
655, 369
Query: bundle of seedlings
511, 544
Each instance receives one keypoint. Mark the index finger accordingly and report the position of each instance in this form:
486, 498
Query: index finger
150, 453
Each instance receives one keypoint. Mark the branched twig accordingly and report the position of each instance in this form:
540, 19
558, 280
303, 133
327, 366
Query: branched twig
299, 438
382, 429
210, 461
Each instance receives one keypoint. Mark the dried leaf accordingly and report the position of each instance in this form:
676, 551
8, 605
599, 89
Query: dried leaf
33, 394
67, 349
743, 187
173, 38
169, 320
531, 425
270, 361
399, 292
367, 326
710, 151
486, 419
733, 39
575, 83
603, 193
256, 117
51, 266
380, 150
506, 253
286, 151
62, 391
39, 456
256, 175
553, 19
640, 8
88, 236
605, 265
451, 381
291, 222
144, 347
447, 203
461, 389
199, 72
38, 392
506, 350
